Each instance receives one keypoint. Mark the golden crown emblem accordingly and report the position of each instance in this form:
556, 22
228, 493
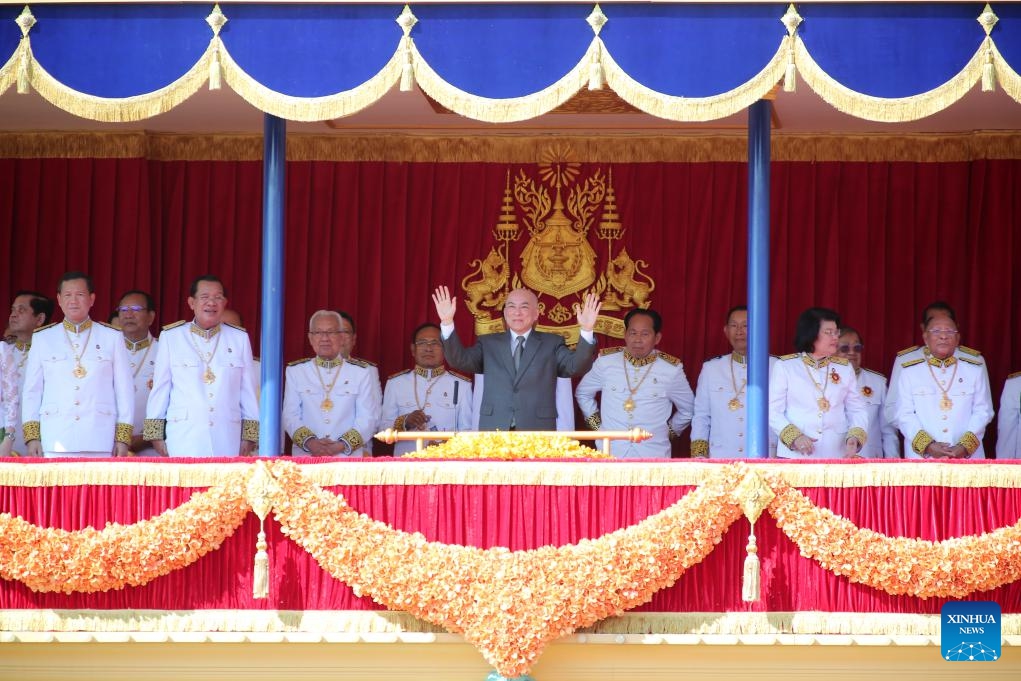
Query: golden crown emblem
561, 208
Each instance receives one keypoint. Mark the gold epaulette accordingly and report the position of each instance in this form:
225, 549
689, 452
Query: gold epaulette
359, 362
969, 351
299, 361
399, 373
972, 360
670, 359
882, 376
907, 350
1014, 375
239, 328
457, 374
912, 362
839, 360
43, 328
611, 351
109, 326
793, 355
175, 324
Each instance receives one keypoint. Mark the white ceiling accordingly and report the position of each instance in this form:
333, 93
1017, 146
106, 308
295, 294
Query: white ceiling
223, 111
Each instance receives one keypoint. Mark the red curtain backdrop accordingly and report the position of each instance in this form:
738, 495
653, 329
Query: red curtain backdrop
876, 241
521, 517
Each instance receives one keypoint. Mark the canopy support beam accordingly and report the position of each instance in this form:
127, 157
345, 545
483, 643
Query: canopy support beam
274, 182
759, 115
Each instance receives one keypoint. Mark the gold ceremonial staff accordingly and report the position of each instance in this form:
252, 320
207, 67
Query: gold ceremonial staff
390, 436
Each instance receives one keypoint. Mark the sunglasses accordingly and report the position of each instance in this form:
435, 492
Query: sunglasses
857, 347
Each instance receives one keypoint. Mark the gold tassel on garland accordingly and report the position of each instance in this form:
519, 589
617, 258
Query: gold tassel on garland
754, 495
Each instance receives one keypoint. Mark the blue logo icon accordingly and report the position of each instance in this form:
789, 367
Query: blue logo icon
970, 631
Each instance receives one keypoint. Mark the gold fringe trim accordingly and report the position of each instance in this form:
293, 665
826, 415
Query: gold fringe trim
407, 147
311, 108
9, 71
615, 473
503, 110
1006, 76
125, 109
888, 110
696, 108
378, 622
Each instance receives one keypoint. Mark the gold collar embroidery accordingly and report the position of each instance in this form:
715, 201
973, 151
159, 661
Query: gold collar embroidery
78, 328
640, 361
329, 363
738, 357
430, 373
204, 333
814, 363
135, 346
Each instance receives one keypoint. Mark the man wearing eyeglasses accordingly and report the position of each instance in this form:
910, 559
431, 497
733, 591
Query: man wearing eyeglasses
719, 425
935, 310
944, 404
882, 435
331, 407
203, 402
428, 397
136, 313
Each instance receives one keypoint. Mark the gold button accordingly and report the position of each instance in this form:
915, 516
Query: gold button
76, 403
77, 418
212, 409
944, 430
210, 423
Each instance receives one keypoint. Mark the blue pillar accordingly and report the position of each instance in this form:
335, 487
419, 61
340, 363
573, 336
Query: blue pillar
759, 115
274, 183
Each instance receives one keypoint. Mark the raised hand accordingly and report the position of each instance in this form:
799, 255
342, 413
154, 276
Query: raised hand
445, 305
589, 312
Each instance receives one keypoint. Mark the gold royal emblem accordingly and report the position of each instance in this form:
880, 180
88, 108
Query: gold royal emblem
559, 208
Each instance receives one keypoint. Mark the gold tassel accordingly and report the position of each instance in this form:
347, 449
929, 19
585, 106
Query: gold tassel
214, 72
988, 76
23, 75
595, 72
790, 81
260, 580
408, 69
750, 581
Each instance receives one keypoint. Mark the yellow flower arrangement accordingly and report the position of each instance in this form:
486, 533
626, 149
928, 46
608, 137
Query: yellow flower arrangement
508, 604
508, 446
90, 560
897, 565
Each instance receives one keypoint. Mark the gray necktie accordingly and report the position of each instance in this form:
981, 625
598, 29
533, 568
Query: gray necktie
519, 351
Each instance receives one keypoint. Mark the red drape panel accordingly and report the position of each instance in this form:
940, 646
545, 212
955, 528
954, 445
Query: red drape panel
521, 517
876, 241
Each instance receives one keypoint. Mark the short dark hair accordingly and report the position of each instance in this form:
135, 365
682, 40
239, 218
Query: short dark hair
114, 314
211, 278
937, 306
657, 321
348, 318
419, 329
40, 304
851, 329
809, 324
150, 304
736, 308
75, 274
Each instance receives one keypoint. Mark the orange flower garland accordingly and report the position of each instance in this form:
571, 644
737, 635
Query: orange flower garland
90, 560
508, 447
508, 604
897, 565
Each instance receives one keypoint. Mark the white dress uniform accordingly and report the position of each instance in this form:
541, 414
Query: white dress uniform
202, 401
445, 396
9, 391
17, 359
1008, 421
336, 399
77, 398
882, 442
142, 358
718, 425
651, 393
922, 352
925, 413
819, 399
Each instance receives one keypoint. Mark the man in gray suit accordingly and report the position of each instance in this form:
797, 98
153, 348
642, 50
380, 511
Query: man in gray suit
520, 365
